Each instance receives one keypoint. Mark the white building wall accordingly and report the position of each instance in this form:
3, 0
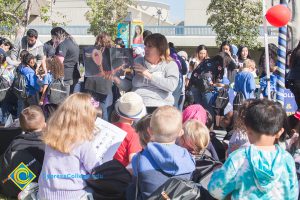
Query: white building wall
195, 11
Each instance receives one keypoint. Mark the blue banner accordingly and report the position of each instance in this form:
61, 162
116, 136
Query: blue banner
290, 105
123, 32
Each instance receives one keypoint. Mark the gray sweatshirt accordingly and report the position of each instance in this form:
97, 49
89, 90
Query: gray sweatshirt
157, 91
37, 50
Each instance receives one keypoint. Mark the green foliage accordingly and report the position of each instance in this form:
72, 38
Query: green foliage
237, 21
104, 15
46, 16
11, 14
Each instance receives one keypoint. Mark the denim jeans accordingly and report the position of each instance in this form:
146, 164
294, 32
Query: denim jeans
204, 99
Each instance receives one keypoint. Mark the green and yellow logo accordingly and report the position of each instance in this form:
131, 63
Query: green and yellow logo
22, 176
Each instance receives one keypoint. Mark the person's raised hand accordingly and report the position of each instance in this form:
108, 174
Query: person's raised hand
141, 70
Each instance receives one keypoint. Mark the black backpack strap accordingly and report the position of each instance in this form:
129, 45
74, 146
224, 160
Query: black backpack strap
137, 175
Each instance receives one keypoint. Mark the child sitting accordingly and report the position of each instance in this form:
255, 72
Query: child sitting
197, 112
26, 148
262, 170
162, 158
239, 136
195, 138
244, 80
129, 107
142, 127
68, 153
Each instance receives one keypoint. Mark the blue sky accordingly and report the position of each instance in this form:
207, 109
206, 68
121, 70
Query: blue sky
177, 9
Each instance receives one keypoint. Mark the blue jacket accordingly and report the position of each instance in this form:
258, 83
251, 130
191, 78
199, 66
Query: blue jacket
245, 83
264, 84
251, 173
31, 79
157, 163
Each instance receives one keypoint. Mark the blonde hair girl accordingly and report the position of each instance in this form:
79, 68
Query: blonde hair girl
68, 151
195, 138
72, 123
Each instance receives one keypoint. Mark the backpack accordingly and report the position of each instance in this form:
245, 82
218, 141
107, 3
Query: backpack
113, 182
238, 100
205, 166
19, 84
222, 99
4, 87
19, 151
58, 91
180, 189
204, 75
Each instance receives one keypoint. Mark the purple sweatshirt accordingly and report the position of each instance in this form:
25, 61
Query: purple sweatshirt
62, 175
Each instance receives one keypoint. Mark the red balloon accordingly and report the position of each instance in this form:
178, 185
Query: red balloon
279, 15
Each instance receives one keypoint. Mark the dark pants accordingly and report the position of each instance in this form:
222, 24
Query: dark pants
74, 85
295, 89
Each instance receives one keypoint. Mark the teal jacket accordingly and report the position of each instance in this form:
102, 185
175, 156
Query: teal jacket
250, 173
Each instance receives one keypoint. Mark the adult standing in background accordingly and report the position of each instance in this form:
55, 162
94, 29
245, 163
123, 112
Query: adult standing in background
293, 76
49, 50
67, 50
230, 70
33, 45
99, 87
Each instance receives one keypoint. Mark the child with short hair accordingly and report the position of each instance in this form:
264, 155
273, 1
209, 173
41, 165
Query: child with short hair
68, 153
142, 127
244, 80
263, 170
27, 148
129, 107
195, 138
162, 158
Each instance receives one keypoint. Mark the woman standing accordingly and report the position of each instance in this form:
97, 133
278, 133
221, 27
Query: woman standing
294, 74
99, 87
201, 54
230, 69
156, 75
243, 54
67, 51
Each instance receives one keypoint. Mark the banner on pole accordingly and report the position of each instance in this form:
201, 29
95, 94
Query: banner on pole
123, 32
137, 29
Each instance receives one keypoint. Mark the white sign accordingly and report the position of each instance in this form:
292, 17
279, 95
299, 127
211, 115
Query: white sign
108, 138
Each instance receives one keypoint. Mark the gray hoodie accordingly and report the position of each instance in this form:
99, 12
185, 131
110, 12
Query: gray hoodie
36, 50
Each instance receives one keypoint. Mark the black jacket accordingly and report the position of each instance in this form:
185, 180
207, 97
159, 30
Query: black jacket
27, 148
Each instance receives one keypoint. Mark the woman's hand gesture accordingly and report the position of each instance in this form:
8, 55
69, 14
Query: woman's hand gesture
142, 71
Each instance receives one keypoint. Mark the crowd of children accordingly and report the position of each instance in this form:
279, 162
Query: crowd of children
259, 157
